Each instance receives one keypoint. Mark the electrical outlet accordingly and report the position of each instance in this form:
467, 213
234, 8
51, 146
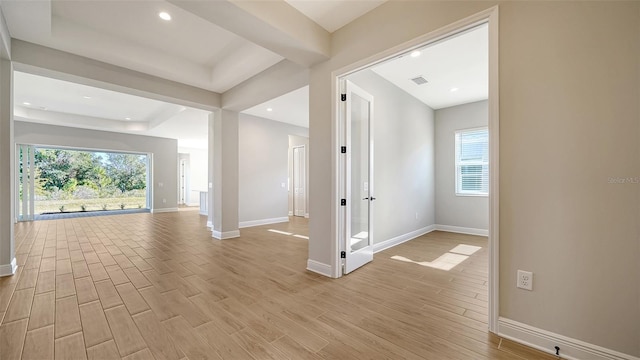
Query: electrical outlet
525, 280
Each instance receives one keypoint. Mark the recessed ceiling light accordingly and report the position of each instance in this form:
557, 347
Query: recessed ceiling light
26, 103
415, 53
454, 89
127, 118
164, 15
87, 97
269, 109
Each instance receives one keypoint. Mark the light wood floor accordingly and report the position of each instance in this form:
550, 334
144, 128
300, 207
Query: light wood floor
146, 286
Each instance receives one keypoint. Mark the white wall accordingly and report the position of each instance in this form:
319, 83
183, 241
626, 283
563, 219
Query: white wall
403, 131
165, 153
471, 212
569, 87
263, 168
198, 173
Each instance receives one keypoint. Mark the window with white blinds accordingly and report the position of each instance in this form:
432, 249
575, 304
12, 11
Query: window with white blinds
472, 162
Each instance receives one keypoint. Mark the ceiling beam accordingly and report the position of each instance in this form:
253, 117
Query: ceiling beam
274, 25
277, 80
41, 60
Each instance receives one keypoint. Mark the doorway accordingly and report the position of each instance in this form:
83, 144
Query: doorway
346, 203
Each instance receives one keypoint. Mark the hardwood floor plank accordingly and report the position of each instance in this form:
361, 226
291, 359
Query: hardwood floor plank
124, 330
116, 274
67, 319
46, 281
86, 290
98, 272
39, 344
12, 335
94, 324
256, 345
221, 317
136, 277
28, 279
65, 286
20, 305
144, 354
70, 347
80, 269
156, 337
108, 294
156, 286
132, 298
105, 351
188, 339
42, 310
226, 347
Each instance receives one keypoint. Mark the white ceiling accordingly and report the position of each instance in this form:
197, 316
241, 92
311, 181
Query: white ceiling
457, 70
292, 108
130, 34
51, 101
195, 51
334, 14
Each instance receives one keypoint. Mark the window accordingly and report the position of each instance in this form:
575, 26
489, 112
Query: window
472, 162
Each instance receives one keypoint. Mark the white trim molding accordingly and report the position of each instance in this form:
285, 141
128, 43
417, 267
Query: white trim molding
290, 213
209, 224
402, 238
163, 210
462, 230
225, 235
244, 224
306, 215
546, 341
9, 269
320, 268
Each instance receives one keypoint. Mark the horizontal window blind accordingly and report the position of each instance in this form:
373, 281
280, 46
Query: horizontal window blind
472, 162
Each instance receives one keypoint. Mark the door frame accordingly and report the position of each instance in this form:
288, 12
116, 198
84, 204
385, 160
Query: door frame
490, 17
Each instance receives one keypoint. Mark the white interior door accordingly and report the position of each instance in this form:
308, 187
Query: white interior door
183, 182
299, 191
358, 179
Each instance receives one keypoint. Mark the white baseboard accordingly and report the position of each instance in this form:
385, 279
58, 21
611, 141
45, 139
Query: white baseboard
164, 210
318, 267
244, 224
546, 341
306, 216
290, 213
9, 269
209, 224
462, 230
402, 238
226, 235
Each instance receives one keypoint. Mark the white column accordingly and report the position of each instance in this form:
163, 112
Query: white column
225, 174
210, 164
8, 264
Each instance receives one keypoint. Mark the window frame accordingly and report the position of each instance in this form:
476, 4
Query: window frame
457, 164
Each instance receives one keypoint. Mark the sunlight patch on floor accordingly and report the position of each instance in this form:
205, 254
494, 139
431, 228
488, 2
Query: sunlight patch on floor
280, 232
289, 233
446, 261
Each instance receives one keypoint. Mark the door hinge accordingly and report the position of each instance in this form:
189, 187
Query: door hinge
343, 97
343, 202
343, 149
343, 254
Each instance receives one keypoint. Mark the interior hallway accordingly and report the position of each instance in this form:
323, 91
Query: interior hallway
158, 286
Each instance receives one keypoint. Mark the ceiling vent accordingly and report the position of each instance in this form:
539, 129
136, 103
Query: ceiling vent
419, 80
